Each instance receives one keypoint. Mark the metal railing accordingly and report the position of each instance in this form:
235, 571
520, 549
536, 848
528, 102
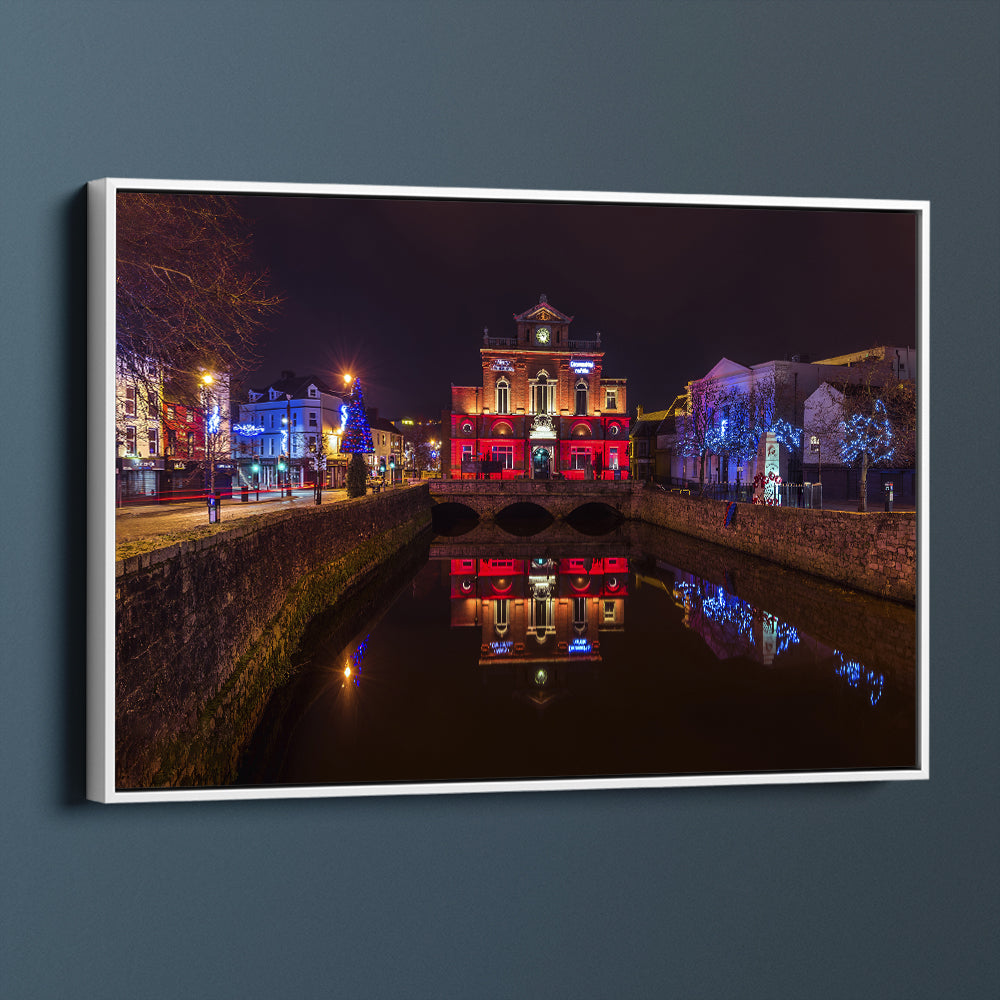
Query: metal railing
806, 495
569, 345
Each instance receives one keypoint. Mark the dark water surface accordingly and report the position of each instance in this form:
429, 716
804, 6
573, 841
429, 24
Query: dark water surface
639, 652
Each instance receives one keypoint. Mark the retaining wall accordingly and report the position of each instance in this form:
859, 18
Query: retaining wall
874, 552
206, 628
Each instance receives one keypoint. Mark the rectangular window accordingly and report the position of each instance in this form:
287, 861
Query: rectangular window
611, 399
171, 411
609, 611
580, 457
152, 401
543, 398
190, 443
153, 441
189, 415
270, 446
613, 457
579, 610
501, 614
312, 442
129, 440
312, 418
466, 452
171, 442
504, 454
503, 397
130, 402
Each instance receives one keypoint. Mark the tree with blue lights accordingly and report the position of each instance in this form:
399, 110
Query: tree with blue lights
868, 439
356, 441
879, 421
357, 438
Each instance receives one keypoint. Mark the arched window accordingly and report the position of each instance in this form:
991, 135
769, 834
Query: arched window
503, 396
581, 396
543, 394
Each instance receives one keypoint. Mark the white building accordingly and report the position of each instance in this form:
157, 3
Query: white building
138, 438
731, 393
283, 427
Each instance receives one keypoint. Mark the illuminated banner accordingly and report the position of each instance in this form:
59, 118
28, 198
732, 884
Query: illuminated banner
502, 366
248, 430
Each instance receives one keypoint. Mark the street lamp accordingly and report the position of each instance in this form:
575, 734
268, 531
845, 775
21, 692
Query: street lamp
206, 382
287, 419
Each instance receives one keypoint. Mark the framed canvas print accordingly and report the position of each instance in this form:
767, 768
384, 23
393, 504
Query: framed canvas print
424, 490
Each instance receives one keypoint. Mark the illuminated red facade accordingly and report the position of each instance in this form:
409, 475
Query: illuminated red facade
544, 408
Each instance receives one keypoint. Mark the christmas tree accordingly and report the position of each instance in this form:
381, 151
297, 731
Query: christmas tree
357, 439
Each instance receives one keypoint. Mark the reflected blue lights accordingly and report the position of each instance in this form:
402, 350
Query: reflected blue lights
758, 630
859, 676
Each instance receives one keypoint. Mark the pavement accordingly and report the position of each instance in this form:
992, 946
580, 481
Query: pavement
136, 521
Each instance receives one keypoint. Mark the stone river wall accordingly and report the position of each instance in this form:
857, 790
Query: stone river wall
205, 629
874, 552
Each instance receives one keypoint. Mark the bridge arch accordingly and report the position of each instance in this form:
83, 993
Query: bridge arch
523, 518
453, 518
594, 518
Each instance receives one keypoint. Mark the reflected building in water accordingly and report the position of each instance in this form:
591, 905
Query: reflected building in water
540, 620
732, 627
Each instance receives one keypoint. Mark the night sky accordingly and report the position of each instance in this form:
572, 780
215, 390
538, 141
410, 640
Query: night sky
398, 291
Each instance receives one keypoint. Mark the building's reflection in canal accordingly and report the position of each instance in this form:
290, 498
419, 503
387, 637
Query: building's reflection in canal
525, 660
540, 619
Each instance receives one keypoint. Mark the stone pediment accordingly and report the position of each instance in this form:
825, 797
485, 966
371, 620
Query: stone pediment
725, 368
542, 312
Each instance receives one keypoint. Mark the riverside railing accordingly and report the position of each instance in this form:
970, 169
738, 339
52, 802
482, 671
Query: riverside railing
807, 495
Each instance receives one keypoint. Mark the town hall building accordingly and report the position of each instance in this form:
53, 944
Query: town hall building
544, 409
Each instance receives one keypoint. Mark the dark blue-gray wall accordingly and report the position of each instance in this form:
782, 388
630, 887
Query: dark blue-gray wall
884, 890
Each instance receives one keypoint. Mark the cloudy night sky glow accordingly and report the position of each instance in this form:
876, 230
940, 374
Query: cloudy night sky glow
399, 291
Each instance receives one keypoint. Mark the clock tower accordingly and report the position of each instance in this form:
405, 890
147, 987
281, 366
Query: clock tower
544, 410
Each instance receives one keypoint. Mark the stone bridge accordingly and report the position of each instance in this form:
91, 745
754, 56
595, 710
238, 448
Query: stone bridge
558, 497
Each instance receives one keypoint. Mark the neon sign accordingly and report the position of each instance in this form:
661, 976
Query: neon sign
502, 366
582, 367
579, 646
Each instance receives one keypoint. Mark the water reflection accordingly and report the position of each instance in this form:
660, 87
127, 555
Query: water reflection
731, 626
628, 654
541, 617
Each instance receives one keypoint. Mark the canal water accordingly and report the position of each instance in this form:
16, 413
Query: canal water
635, 652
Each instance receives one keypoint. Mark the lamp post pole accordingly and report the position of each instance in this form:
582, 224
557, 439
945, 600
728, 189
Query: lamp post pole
206, 381
288, 445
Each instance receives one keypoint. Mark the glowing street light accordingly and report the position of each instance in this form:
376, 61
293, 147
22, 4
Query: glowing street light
209, 418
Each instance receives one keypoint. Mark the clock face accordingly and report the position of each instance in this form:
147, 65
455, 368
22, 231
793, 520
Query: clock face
542, 335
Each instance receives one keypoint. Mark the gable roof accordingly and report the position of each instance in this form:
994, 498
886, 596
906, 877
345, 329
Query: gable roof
297, 386
381, 424
723, 368
543, 312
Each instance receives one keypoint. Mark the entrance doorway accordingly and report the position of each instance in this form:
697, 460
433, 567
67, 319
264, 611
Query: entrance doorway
540, 463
